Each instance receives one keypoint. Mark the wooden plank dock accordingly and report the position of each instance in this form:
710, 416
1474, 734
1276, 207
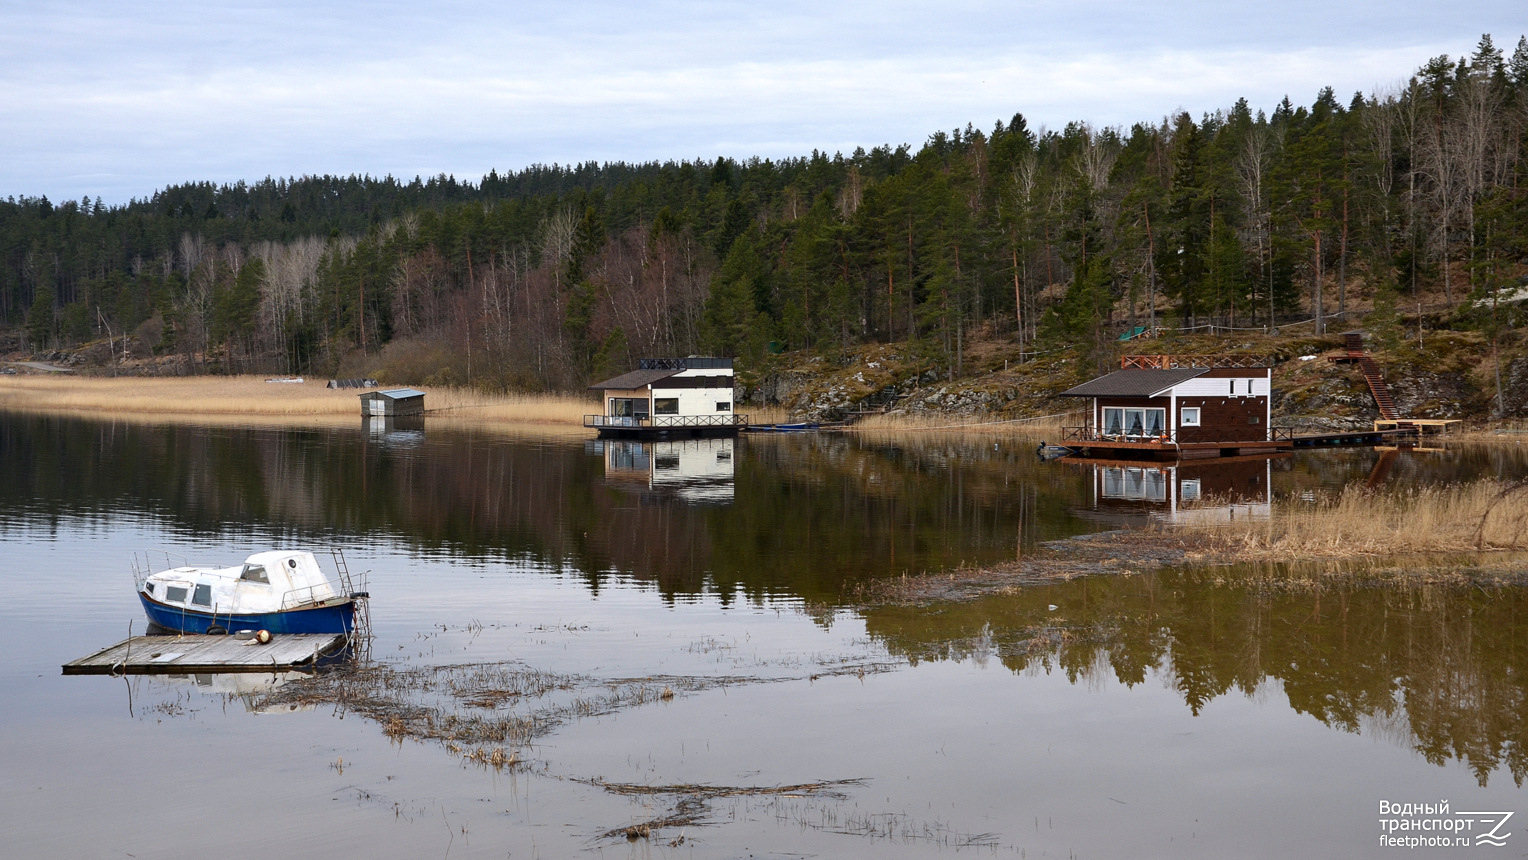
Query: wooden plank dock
157, 655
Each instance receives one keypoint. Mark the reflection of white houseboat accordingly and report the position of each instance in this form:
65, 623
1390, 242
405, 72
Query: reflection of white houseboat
669, 398
699, 471
1232, 488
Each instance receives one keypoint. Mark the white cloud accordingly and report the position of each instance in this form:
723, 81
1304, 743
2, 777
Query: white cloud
107, 101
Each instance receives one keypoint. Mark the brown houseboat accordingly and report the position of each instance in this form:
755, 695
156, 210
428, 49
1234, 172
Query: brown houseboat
1179, 407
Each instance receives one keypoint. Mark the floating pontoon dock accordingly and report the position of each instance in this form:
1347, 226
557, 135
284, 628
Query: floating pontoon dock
157, 655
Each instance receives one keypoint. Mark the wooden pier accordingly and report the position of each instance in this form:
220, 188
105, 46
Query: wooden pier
1393, 436
159, 655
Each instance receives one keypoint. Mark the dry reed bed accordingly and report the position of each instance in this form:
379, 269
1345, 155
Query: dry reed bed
1483, 515
898, 423
233, 399
210, 399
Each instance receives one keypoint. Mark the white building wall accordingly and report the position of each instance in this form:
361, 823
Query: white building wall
696, 401
1220, 387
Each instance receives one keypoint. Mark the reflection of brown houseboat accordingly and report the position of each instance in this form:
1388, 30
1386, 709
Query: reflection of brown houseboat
1230, 488
1179, 408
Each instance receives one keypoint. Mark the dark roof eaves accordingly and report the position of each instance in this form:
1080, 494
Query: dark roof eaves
1160, 381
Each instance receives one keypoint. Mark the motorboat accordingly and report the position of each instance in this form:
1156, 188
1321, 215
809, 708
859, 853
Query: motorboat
281, 591
1051, 452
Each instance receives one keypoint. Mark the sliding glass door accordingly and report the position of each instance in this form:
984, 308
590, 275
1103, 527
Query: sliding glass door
1134, 421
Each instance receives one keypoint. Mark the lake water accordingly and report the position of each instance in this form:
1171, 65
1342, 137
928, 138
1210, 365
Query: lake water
1182, 714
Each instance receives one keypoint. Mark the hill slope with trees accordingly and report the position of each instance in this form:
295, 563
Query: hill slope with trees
1396, 209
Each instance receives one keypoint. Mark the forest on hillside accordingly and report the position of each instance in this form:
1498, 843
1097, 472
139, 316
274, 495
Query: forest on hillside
551, 276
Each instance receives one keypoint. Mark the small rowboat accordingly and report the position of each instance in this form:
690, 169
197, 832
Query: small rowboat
283, 591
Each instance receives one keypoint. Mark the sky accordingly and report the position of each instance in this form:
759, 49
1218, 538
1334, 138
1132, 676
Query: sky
117, 100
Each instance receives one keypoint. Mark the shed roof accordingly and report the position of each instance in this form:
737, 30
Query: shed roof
396, 393
637, 379
1135, 383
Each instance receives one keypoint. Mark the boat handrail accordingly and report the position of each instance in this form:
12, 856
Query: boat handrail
140, 574
340, 588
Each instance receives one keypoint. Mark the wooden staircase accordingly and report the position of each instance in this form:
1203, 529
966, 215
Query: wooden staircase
1354, 343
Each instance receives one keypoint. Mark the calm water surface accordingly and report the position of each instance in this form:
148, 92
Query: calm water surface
1183, 714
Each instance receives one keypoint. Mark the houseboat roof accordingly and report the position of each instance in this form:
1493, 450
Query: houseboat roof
636, 379
1135, 383
395, 393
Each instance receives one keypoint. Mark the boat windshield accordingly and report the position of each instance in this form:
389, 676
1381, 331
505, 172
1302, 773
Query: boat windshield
254, 573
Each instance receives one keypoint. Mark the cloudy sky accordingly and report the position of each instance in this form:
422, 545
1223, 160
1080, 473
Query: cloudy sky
118, 99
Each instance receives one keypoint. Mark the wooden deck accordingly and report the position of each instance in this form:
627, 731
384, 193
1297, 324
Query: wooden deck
157, 655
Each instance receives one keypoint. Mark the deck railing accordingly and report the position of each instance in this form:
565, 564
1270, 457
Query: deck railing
1181, 436
730, 419
1169, 362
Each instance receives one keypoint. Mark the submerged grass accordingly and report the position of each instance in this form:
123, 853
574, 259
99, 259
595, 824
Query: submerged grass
1478, 516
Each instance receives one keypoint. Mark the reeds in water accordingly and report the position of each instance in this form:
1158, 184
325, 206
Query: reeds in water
1476, 516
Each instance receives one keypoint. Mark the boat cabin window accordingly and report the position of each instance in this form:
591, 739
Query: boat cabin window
203, 595
176, 593
149, 587
255, 573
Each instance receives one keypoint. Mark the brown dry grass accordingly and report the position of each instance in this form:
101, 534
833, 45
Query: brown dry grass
243, 399
1484, 515
900, 423
250, 399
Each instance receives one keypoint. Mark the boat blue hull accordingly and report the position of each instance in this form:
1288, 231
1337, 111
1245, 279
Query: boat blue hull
334, 618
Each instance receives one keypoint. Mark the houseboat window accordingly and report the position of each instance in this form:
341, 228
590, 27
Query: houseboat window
203, 595
176, 593
628, 407
1134, 422
1190, 416
665, 406
1114, 421
723, 406
1190, 490
254, 573
666, 463
1233, 386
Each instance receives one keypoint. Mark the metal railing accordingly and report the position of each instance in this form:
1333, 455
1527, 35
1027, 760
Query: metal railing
730, 419
1168, 362
693, 362
1181, 436
144, 567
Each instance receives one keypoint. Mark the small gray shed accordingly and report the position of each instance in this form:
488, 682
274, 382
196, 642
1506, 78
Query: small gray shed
394, 401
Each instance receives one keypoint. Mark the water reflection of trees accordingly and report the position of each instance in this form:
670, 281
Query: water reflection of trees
1440, 667
810, 514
